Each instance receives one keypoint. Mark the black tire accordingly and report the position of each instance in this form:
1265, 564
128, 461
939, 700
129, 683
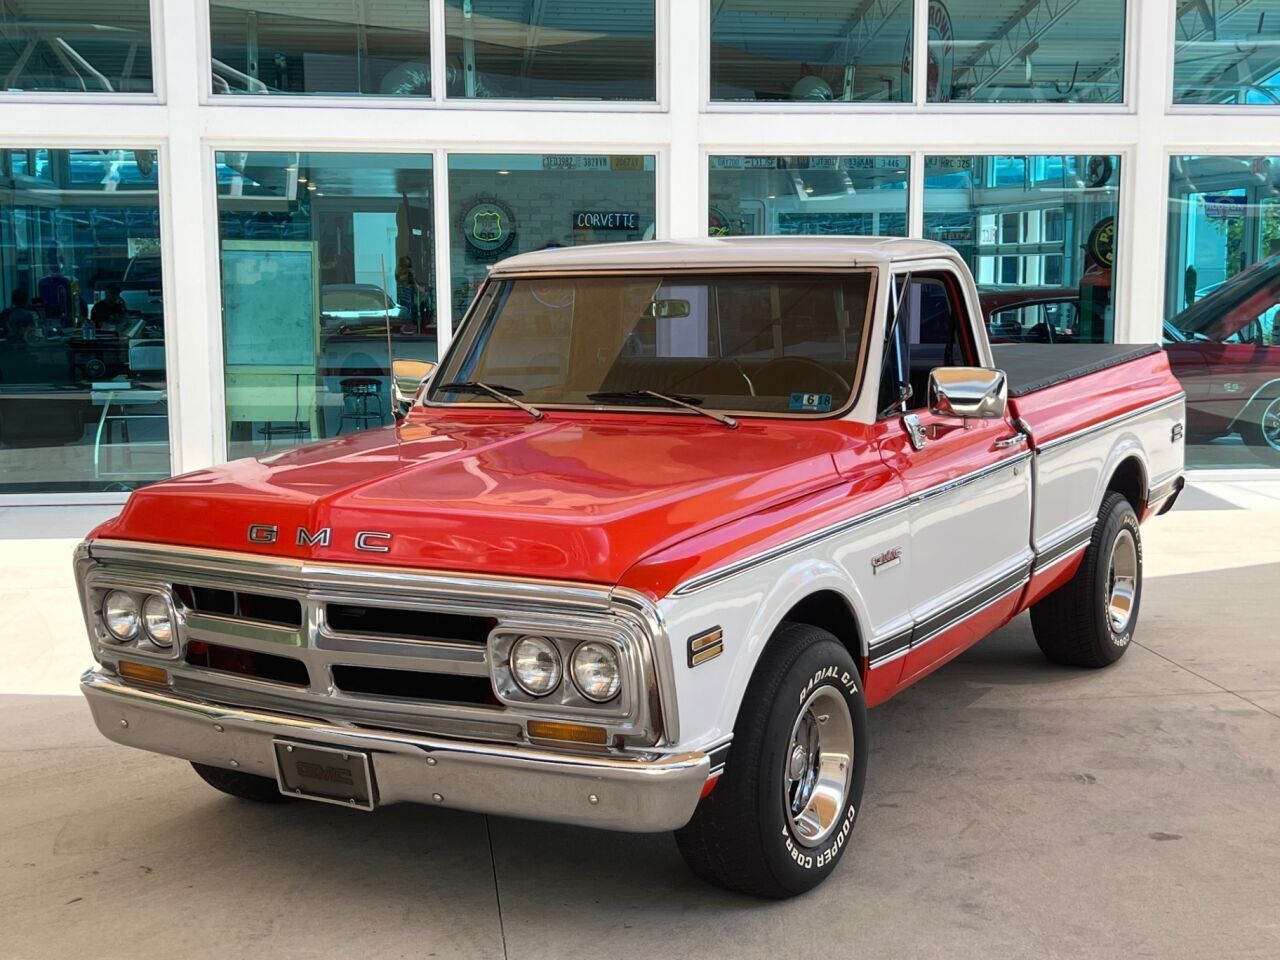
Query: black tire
246, 786
742, 836
1259, 428
1073, 625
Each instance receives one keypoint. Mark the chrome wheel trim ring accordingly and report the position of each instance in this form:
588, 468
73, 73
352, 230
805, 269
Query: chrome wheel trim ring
818, 766
1271, 424
1122, 581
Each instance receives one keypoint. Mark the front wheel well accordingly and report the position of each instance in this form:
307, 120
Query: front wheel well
1129, 479
830, 611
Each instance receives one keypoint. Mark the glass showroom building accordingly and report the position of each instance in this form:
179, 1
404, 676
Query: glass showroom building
219, 219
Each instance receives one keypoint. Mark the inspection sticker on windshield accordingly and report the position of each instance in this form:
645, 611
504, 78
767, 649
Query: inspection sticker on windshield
811, 402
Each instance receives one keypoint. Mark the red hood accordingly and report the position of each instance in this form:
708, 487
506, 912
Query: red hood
572, 497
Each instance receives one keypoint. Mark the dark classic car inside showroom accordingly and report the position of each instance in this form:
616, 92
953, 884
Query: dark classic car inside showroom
533, 478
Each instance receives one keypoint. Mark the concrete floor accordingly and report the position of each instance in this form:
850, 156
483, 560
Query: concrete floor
1013, 810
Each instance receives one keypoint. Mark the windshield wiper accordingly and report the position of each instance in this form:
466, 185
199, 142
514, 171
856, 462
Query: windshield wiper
501, 392
675, 400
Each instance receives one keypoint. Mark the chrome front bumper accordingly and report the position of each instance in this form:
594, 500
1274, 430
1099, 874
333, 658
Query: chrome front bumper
616, 793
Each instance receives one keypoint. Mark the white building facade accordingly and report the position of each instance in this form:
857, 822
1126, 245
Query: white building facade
219, 219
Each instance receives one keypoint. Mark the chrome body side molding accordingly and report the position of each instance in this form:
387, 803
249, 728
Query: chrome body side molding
844, 526
952, 614
1107, 424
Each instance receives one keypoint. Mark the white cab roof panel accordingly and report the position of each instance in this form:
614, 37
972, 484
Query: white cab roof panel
726, 253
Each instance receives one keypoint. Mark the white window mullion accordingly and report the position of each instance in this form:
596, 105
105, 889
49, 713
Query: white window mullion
438, 58
441, 224
685, 170
915, 195
1144, 178
189, 239
920, 53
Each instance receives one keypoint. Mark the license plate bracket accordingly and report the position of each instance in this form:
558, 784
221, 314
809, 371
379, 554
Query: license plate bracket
325, 774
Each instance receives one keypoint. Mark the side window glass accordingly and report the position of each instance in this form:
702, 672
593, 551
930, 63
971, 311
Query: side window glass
934, 333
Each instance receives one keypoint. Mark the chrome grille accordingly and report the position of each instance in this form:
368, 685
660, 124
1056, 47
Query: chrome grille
406, 649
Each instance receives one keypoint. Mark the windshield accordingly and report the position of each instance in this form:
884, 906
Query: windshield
1249, 298
750, 343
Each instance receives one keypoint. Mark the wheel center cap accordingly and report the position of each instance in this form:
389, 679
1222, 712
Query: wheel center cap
799, 761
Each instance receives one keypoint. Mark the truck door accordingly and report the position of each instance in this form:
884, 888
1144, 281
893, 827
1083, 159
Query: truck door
969, 483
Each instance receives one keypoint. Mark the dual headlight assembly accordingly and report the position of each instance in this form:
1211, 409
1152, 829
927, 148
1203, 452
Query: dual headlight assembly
538, 668
125, 619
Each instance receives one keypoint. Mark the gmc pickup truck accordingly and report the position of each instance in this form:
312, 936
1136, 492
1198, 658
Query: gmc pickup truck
666, 521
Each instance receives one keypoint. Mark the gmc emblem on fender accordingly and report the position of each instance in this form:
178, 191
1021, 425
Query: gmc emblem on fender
888, 559
370, 541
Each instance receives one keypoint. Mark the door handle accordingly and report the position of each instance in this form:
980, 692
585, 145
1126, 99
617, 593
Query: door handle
1012, 441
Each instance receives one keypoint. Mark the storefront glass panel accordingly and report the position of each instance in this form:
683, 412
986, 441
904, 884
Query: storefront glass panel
551, 50
817, 196
327, 275
1222, 306
1227, 52
1039, 233
811, 51
1027, 51
68, 46
321, 47
501, 205
83, 396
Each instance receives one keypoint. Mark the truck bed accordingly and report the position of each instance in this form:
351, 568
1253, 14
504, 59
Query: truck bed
1031, 367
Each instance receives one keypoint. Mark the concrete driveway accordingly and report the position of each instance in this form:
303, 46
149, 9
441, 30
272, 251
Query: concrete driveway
1014, 809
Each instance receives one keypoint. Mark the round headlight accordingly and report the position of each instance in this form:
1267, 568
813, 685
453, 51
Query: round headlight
120, 614
535, 665
595, 671
155, 617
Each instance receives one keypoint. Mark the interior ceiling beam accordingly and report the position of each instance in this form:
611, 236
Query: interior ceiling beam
862, 28
1186, 35
1020, 32
1207, 20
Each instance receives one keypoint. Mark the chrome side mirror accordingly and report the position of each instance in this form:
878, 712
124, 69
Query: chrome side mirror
408, 378
968, 393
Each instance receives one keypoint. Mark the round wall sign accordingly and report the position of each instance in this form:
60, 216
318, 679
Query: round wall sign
488, 226
1101, 245
1098, 171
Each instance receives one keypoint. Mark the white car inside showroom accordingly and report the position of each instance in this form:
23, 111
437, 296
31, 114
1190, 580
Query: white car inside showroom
536, 478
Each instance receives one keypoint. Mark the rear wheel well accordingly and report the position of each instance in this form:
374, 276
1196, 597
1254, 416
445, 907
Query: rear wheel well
1130, 481
830, 611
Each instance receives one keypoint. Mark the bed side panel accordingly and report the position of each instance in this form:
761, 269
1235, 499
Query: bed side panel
1078, 447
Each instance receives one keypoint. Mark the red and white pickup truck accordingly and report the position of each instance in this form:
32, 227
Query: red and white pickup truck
666, 521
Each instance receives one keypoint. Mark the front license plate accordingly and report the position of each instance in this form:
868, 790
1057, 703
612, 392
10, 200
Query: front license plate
326, 774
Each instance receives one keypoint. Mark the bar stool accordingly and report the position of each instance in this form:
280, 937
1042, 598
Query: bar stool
361, 402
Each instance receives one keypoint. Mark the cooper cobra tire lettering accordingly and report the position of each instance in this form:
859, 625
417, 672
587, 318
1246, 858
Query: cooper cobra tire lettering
741, 836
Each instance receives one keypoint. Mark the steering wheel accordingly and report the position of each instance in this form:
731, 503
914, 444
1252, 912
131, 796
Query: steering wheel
786, 375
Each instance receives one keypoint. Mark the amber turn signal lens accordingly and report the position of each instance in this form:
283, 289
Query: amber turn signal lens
143, 672
577, 732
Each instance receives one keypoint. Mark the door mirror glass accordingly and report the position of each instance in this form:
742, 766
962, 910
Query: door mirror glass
969, 393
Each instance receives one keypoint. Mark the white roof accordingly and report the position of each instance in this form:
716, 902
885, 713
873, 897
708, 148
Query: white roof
725, 252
